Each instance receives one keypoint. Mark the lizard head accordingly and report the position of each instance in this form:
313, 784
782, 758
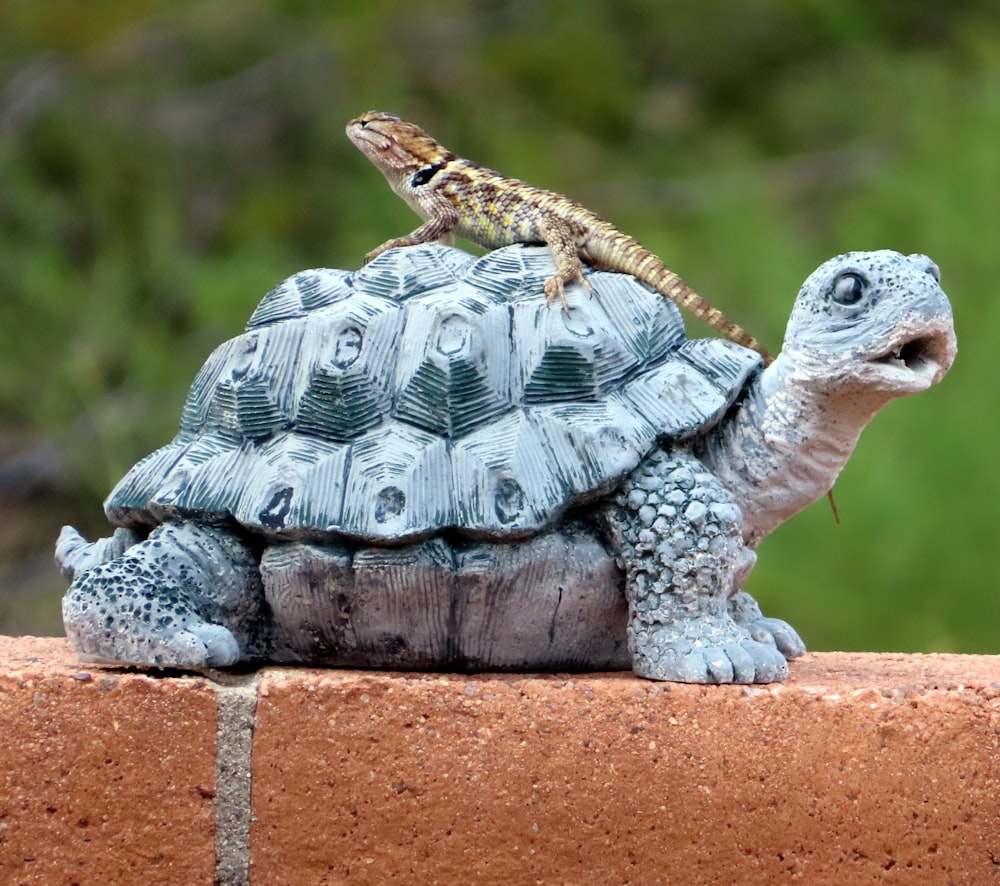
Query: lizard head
401, 151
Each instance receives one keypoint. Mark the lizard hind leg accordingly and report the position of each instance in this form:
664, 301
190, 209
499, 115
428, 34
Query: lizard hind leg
565, 249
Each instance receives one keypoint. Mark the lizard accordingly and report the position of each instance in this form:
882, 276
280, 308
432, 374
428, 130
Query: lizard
455, 196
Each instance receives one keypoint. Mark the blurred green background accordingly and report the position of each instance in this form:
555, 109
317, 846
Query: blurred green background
162, 165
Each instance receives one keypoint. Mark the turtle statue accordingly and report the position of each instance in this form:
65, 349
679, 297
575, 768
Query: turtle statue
420, 465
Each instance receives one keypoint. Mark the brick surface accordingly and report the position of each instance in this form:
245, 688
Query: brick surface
860, 769
106, 776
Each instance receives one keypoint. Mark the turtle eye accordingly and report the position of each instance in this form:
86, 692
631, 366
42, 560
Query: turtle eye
848, 289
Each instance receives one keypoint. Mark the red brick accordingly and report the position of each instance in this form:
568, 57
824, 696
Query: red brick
107, 776
860, 769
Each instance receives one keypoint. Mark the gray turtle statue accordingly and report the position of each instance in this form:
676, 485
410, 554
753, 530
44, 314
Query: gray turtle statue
420, 465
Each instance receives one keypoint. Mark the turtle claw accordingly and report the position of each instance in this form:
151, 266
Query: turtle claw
201, 645
771, 631
198, 646
677, 652
221, 647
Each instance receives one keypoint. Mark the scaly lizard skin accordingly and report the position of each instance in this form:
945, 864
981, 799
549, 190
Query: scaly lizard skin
456, 196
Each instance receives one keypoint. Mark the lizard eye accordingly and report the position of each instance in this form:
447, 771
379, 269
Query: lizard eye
424, 175
848, 289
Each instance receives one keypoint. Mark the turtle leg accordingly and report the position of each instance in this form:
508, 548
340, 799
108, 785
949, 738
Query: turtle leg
74, 554
186, 596
677, 530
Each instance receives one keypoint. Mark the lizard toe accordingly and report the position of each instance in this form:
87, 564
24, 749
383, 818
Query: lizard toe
554, 289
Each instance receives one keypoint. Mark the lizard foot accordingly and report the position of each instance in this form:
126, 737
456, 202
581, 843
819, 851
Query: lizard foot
555, 288
385, 247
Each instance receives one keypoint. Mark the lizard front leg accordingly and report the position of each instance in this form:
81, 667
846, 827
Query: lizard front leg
438, 228
562, 241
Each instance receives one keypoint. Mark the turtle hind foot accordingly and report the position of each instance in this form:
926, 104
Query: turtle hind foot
707, 649
198, 645
75, 555
119, 613
189, 596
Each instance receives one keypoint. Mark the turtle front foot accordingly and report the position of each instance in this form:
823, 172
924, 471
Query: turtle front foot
771, 631
704, 650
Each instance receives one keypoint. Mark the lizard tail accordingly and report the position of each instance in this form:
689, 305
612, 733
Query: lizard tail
674, 288
630, 257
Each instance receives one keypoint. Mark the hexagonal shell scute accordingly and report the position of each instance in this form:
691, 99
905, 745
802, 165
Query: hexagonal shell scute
431, 391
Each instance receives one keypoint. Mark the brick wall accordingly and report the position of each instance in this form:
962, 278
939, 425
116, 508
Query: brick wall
859, 769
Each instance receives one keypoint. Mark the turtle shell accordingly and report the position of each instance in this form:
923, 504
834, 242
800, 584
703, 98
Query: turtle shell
431, 391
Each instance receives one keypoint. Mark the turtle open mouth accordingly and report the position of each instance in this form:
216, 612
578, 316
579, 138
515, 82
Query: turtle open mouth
911, 355
927, 355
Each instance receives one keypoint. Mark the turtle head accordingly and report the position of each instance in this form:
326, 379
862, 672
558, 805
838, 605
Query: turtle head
866, 328
873, 322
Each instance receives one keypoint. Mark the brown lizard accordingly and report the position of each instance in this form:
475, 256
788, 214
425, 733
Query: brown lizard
456, 196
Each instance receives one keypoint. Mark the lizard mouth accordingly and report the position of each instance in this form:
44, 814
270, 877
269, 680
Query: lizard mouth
365, 132
368, 138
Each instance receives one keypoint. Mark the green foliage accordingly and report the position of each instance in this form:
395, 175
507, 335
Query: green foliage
163, 164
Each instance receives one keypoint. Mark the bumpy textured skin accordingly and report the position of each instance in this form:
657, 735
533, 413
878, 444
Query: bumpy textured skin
677, 530
188, 596
578, 492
